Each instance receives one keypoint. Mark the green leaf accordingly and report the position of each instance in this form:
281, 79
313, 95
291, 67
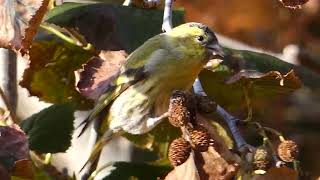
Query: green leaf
139, 171
50, 130
51, 73
110, 27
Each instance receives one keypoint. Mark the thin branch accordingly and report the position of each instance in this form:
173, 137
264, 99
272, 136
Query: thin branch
229, 119
167, 16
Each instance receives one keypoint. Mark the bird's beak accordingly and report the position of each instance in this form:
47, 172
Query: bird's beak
216, 55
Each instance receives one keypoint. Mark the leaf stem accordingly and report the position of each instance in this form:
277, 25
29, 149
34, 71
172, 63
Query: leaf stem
58, 33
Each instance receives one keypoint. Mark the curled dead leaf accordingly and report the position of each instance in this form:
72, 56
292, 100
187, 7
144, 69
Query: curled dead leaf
98, 72
19, 20
272, 78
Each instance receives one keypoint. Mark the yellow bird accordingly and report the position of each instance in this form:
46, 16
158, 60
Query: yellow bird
138, 98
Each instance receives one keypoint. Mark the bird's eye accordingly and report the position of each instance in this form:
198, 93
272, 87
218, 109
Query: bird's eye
200, 38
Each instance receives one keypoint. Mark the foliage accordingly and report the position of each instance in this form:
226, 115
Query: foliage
95, 39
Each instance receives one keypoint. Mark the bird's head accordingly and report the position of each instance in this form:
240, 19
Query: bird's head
201, 41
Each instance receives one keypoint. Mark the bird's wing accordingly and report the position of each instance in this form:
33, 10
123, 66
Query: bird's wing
131, 72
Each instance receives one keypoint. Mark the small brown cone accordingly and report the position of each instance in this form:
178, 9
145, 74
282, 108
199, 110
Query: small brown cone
179, 151
181, 109
261, 158
288, 151
200, 139
293, 3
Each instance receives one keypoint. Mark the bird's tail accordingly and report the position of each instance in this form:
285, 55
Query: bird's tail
96, 150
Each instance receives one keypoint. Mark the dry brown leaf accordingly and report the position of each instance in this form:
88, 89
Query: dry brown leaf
283, 173
19, 20
23, 169
95, 76
212, 166
187, 170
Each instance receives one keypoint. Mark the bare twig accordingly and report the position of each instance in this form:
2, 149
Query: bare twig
167, 16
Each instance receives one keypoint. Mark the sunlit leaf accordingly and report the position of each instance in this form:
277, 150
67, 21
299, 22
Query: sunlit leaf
51, 73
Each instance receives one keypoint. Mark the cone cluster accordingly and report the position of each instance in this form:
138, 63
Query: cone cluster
182, 113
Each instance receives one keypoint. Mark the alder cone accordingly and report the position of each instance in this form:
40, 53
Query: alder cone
200, 139
181, 109
288, 151
179, 151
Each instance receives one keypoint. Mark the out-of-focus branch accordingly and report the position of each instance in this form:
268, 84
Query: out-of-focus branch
167, 16
8, 71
